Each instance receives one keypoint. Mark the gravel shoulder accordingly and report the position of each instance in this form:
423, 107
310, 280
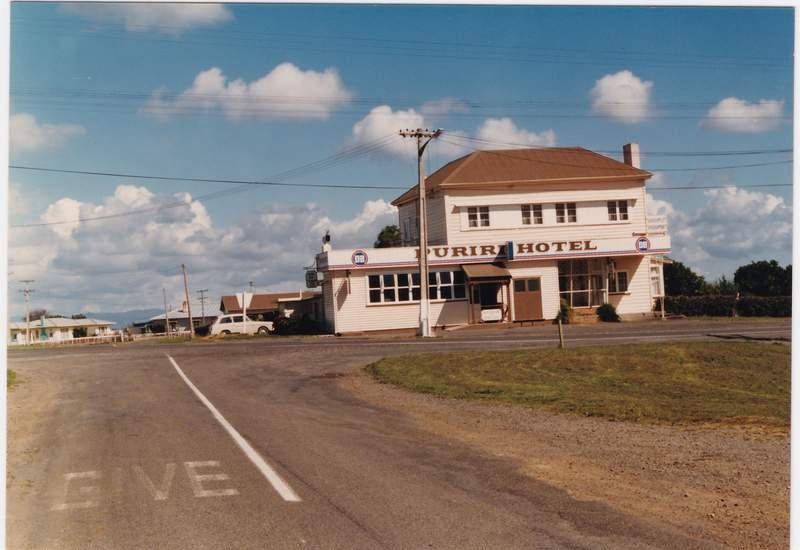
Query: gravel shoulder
729, 485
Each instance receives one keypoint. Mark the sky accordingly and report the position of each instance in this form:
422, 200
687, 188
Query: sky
257, 91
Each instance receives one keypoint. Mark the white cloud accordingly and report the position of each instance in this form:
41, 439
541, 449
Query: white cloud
444, 106
622, 96
505, 134
286, 92
154, 16
123, 263
382, 122
732, 227
27, 135
738, 116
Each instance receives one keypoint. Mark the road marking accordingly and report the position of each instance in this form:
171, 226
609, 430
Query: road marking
198, 479
87, 490
283, 488
161, 492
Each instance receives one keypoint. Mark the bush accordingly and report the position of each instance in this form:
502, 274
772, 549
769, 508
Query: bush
758, 306
723, 306
608, 313
565, 313
282, 326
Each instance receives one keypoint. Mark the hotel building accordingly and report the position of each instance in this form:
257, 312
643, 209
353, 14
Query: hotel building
511, 233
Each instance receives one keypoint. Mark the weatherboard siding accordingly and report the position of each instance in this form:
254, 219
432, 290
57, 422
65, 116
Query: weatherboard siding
355, 314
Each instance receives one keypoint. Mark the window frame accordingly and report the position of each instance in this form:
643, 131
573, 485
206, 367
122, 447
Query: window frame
614, 282
478, 215
618, 211
435, 286
532, 214
566, 212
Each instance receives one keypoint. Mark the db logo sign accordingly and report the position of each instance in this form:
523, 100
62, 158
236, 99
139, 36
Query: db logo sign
643, 244
359, 257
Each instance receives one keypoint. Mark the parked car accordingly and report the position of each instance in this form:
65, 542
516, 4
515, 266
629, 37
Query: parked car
236, 324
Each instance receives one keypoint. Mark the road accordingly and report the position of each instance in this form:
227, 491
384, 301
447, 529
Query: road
253, 444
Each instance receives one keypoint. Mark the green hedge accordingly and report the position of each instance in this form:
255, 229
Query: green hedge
715, 305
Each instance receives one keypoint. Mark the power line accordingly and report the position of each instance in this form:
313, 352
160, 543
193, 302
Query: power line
691, 187
327, 162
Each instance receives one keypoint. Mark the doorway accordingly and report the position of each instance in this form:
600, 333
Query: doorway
528, 299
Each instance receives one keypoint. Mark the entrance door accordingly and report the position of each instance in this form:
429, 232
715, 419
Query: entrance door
528, 299
598, 291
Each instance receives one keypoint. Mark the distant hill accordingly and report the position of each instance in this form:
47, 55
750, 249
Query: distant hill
124, 318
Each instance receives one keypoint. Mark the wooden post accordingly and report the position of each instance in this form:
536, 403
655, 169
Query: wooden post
560, 334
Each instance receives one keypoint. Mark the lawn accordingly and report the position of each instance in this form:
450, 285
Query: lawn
11, 378
728, 382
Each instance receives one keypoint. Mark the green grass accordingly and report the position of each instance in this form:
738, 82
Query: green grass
728, 382
11, 378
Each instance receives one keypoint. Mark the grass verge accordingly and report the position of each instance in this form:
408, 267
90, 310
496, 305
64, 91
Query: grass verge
11, 378
727, 382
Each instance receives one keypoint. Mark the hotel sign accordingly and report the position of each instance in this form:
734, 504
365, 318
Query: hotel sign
541, 247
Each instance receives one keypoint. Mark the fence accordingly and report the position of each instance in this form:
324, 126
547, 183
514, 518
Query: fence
109, 338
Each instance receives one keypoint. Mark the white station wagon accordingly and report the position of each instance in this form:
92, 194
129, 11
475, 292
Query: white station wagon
235, 324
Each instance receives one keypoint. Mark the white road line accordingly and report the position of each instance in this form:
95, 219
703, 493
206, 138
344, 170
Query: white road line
266, 470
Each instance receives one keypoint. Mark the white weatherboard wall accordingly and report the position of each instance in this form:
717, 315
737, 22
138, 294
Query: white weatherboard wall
506, 217
355, 314
638, 299
437, 229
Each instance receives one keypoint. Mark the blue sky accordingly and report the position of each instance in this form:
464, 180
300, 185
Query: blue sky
83, 76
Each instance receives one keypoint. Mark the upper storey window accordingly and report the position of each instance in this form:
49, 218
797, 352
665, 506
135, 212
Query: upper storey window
566, 212
532, 214
617, 211
478, 216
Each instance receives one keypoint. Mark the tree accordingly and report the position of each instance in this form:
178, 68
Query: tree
389, 237
680, 280
79, 316
37, 314
764, 278
722, 286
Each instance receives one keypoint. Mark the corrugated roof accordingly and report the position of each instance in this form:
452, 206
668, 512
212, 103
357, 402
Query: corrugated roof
524, 166
60, 322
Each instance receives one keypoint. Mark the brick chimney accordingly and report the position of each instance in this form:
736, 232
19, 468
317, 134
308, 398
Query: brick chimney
630, 154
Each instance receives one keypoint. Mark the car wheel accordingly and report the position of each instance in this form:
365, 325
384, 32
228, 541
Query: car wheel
263, 331
225, 333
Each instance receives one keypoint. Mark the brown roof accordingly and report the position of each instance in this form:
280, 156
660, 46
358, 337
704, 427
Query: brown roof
522, 166
485, 271
260, 303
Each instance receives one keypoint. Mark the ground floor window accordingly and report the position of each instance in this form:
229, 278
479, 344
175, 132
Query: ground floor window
573, 282
618, 281
386, 288
655, 280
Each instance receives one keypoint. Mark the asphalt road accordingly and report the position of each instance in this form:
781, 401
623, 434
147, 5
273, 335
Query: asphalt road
253, 444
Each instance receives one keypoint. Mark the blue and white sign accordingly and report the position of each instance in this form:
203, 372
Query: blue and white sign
359, 258
642, 244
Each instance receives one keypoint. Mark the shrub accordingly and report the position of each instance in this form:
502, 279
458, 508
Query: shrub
282, 326
724, 306
608, 313
758, 306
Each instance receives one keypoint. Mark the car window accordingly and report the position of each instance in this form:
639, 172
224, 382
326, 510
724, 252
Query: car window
237, 319
225, 320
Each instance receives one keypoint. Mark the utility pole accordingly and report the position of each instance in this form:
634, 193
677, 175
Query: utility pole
244, 310
166, 312
424, 298
188, 302
203, 303
27, 293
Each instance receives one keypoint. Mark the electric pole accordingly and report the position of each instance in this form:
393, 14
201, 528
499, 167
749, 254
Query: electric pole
188, 302
27, 293
166, 311
203, 303
424, 137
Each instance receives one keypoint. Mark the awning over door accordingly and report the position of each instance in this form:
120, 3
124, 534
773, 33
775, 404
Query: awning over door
484, 273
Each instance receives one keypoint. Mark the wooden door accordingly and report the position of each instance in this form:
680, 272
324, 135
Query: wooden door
528, 299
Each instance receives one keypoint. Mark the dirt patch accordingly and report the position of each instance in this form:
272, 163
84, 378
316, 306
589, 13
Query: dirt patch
726, 484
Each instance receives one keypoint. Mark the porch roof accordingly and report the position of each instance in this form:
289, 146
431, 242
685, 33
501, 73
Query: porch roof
486, 272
